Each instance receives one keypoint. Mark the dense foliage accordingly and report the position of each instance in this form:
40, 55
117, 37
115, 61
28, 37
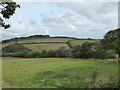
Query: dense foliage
62, 52
111, 41
7, 10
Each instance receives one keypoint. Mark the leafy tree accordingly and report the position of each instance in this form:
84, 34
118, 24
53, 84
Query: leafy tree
86, 50
92, 50
25, 54
112, 41
62, 52
36, 55
44, 53
7, 9
51, 53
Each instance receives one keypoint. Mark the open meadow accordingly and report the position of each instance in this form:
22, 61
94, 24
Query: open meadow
59, 44
58, 73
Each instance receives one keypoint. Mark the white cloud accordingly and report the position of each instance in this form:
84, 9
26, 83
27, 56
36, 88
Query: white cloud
63, 19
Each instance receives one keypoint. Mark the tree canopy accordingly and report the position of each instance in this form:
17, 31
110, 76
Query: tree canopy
7, 9
112, 41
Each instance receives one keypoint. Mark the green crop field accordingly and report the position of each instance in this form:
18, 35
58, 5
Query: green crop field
57, 73
47, 46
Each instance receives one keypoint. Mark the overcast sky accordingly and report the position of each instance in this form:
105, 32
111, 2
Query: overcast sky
75, 19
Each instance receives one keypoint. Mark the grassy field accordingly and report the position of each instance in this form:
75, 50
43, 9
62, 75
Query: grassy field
57, 73
45, 46
49, 46
44, 40
6, 44
79, 42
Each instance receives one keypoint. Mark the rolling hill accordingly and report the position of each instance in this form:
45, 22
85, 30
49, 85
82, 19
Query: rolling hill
40, 42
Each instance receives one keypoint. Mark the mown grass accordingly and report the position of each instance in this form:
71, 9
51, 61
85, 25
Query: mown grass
57, 72
48, 46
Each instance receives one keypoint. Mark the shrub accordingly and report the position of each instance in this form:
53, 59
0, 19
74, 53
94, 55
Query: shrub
111, 54
36, 55
25, 54
51, 53
92, 50
14, 48
44, 53
62, 52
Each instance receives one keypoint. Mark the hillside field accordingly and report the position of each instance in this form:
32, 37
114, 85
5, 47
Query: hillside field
49, 46
45, 40
46, 43
79, 42
58, 73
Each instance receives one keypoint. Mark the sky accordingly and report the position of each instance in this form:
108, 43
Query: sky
72, 19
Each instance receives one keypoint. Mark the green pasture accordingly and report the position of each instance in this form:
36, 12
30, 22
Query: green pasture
6, 44
47, 46
79, 42
57, 73
44, 40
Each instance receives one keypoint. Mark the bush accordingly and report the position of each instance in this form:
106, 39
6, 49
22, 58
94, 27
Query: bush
51, 53
14, 48
83, 51
25, 54
111, 54
44, 53
92, 50
36, 55
62, 52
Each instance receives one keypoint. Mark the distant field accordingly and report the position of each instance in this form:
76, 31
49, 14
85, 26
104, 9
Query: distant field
36, 47
47, 43
79, 42
63, 40
45, 40
49, 46
6, 44
57, 72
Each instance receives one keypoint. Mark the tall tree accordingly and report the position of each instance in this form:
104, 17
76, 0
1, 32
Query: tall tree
7, 9
112, 41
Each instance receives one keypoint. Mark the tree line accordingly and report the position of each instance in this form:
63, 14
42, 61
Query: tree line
109, 47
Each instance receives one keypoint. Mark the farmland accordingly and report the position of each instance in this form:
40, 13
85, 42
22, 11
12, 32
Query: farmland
50, 46
44, 64
79, 42
46, 43
57, 72
60, 45
44, 40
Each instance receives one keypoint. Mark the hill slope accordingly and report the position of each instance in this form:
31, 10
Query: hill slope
37, 43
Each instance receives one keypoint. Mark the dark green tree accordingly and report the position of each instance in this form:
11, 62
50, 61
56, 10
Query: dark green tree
111, 41
7, 9
62, 52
